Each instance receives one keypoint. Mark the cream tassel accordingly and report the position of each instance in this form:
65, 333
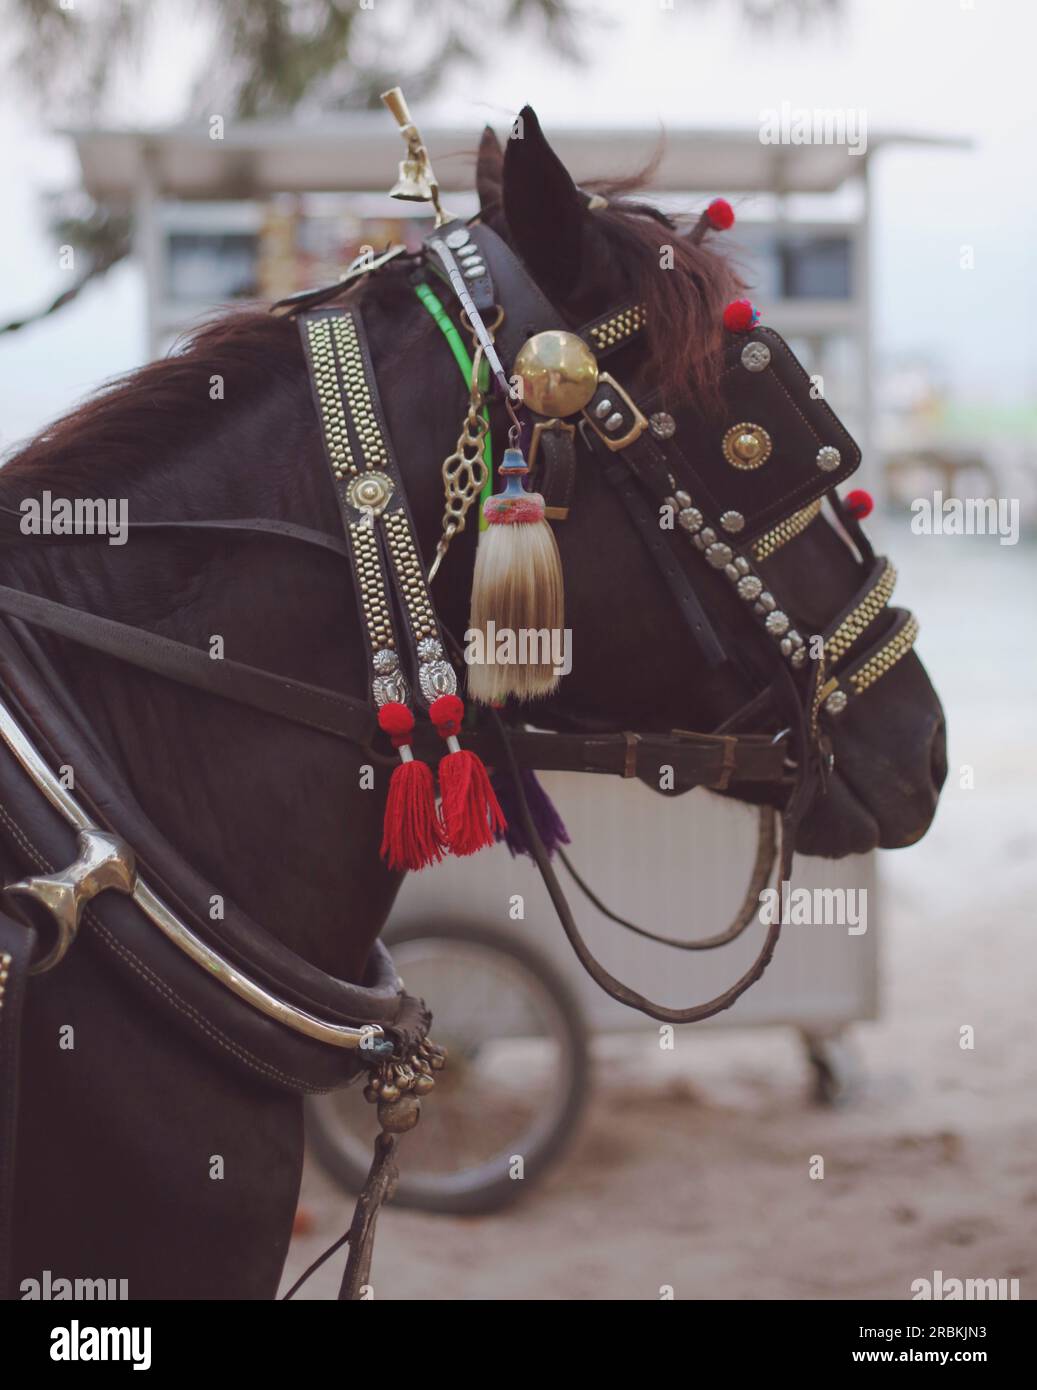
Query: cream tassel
517, 589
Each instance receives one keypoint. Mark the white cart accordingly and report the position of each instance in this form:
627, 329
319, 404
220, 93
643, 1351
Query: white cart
479, 939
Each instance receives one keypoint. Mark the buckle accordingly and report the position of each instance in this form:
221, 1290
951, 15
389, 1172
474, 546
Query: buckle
609, 439
559, 427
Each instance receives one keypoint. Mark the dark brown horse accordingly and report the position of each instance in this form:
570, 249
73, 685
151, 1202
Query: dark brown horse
118, 1174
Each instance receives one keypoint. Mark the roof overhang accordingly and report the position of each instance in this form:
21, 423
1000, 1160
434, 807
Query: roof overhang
360, 153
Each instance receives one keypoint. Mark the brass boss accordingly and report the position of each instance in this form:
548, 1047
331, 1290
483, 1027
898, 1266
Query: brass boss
558, 372
746, 445
370, 492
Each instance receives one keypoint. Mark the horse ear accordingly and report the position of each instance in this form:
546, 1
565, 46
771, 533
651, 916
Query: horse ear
488, 165
542, 206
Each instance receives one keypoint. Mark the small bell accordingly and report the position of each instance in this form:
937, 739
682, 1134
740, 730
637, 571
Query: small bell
413, 185
417, 182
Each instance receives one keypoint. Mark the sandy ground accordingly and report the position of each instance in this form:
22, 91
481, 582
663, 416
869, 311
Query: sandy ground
692, 1168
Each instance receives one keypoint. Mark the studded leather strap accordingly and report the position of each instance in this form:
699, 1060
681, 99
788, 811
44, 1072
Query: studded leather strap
375, 515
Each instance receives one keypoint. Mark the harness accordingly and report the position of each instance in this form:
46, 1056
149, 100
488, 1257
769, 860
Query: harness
234, 987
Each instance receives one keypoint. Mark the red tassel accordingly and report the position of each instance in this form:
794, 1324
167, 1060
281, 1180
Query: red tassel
472, 817
412, 837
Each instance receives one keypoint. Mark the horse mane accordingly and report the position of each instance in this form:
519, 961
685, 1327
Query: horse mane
155, 407
684, 287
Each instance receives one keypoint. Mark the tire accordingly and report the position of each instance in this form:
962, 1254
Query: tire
341, 1126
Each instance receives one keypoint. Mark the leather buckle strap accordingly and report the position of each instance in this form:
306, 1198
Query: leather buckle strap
613, 415
553, 447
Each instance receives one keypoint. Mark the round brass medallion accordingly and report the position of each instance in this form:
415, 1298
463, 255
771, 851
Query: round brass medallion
370, 492
746, 445
558, 372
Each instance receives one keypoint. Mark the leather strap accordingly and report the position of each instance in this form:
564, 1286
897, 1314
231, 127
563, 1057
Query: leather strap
17, 942
506, 284
763, 865
660, 547
382, 542
552, 466
246, 525
801, 797
698, 760
297, 701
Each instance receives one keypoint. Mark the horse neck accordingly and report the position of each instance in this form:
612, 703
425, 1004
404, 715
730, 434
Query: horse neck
280, 819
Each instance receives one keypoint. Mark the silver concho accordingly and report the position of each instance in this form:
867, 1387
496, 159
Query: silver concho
455, 240
690, 519
828, 458
388, 686
749, 587
435, 676
836, 702
662, 425
732, 521
718, 555
756, 357
777, 623
370, 492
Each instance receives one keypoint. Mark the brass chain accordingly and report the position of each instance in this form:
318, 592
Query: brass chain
464, 471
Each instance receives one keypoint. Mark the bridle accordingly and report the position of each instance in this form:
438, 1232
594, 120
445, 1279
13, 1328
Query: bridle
777, 741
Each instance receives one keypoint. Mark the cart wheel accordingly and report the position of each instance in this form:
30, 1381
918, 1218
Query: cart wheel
837, 1071
513, 1088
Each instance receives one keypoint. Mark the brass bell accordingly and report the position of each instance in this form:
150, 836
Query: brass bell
399, 1116
413, 184
417, 182
558, 373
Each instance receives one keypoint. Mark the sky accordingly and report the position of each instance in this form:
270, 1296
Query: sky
945, 67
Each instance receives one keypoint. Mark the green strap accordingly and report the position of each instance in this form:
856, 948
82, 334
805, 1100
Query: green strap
457, 347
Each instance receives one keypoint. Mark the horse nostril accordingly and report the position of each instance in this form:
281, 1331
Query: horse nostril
938, 755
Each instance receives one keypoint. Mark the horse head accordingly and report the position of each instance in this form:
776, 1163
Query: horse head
633, 665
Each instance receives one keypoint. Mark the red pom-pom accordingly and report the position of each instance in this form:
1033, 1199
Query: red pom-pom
741, 315
447, 713
395, 719
859, 503
721, 214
